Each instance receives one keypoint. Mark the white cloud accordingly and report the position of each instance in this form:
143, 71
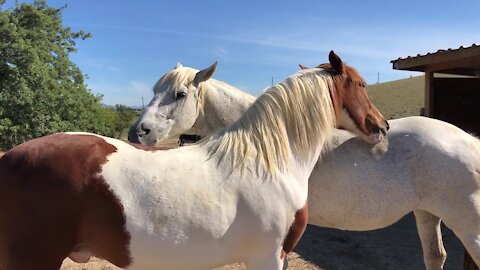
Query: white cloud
130, 94
369, 48
221, 53
95, 63
373, 41
140, 87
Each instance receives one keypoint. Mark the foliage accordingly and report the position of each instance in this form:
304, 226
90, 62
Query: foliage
41, 90
125, 117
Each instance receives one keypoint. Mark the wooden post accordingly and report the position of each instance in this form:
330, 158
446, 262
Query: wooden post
429, 94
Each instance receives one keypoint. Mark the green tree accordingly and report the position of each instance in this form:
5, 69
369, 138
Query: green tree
41, 90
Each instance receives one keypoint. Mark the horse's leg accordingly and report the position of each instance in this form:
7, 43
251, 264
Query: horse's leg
468, 263
428, 227
471, 241
270, 262
464, 221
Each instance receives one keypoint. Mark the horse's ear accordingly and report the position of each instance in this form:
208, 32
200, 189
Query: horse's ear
204, 74
178, 65
302, 66
336, 62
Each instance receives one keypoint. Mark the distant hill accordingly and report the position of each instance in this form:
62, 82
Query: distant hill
401, 98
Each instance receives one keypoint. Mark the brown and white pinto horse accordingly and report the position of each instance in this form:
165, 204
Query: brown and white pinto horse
234, 195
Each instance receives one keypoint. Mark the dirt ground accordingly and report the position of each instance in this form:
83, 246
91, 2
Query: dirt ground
394, 248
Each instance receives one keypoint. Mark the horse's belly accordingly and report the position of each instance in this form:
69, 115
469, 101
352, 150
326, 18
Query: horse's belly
355, 219
194, 248
152, 253
358, 206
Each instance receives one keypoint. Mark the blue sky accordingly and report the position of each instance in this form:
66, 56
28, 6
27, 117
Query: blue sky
135, 42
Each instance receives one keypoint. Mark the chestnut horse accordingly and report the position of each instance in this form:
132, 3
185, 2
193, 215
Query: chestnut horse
237, 195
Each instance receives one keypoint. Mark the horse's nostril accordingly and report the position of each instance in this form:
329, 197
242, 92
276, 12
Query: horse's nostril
384, 132
143, 130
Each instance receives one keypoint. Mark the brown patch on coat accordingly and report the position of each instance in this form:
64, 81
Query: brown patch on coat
296, 230
52, 202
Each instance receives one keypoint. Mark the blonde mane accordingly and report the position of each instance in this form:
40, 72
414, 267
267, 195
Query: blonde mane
294, 116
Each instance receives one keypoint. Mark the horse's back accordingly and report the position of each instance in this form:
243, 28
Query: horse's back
440, 145
421, 156
445, 168
50, 192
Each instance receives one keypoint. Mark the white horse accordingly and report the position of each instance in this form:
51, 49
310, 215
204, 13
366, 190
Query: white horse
239, 195
427, 166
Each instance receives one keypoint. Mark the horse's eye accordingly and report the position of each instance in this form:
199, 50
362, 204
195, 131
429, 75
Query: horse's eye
181, 95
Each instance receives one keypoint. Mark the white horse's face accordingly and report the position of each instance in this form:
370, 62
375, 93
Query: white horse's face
174, 107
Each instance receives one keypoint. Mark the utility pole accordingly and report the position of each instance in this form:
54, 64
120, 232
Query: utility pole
272, 80
378, 77
143, 104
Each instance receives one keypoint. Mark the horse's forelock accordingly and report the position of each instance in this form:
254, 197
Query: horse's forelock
176, 78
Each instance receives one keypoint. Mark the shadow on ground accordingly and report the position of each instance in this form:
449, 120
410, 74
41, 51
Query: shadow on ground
393, 248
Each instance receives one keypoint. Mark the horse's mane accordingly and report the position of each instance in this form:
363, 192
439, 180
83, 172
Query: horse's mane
300, 105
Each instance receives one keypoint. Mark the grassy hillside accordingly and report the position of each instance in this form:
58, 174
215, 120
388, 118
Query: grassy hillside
399, 98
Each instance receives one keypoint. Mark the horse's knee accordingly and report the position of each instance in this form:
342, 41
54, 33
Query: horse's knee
435, 260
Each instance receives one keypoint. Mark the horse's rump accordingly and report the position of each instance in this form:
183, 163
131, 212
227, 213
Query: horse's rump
50, 193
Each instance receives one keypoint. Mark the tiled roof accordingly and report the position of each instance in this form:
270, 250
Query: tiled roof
474, 45
464, 60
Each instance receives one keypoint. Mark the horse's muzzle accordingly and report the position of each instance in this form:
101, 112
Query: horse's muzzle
133, 135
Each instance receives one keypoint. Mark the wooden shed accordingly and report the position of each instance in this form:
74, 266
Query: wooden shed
456, 98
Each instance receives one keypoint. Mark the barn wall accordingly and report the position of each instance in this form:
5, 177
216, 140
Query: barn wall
457, 100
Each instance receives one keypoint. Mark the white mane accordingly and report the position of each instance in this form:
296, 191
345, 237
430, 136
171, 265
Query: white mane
294, 116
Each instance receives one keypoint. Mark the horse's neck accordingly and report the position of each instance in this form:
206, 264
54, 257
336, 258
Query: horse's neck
222, 105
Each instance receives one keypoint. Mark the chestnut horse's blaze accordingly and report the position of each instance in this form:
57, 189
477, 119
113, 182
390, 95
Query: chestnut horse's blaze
56, 203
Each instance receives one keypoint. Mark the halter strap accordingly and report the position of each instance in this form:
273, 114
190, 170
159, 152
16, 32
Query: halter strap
188, 138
